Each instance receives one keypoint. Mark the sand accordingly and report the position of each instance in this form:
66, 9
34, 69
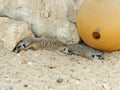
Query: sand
50, 70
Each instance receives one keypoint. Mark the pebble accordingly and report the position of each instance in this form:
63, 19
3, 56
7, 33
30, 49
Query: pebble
25, 85
60, 80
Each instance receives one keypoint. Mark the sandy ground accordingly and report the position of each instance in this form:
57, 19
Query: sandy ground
48, 70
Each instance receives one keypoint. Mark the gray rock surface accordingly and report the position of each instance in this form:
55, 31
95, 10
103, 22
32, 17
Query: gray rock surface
55, 18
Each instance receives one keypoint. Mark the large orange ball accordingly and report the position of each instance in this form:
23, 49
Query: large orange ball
98, 24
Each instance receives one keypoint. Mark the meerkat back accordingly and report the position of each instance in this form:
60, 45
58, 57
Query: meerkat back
49, 43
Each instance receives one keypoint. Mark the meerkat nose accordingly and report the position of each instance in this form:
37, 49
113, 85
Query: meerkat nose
14, 49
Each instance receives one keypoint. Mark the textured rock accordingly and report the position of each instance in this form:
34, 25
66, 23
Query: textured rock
55, 18
12, 31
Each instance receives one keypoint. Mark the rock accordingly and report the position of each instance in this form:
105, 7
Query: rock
56, 18
12, 31
60, 80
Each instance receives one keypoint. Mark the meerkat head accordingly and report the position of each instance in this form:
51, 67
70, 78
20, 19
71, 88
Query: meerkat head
21, 45
96, 55
65, 50
92, 54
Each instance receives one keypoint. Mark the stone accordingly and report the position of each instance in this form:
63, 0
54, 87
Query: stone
12, 31
56, 18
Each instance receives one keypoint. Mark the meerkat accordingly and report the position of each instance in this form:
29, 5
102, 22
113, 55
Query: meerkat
84, 51
54, 44
38, 43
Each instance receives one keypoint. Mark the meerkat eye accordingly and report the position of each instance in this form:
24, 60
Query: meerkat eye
64, 49
93, 56
24, 45
69, 51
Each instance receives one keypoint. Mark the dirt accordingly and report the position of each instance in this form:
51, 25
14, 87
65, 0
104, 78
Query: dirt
49, 70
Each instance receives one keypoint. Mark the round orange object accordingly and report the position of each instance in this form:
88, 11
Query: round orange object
98, 24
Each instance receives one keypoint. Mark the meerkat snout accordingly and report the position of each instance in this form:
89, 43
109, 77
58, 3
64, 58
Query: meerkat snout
19, 47
22, 44
65, 50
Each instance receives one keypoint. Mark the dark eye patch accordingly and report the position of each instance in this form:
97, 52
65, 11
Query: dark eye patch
69, 51
64, 49
16, 48
19, 47
24, 45
93, 56
98, 55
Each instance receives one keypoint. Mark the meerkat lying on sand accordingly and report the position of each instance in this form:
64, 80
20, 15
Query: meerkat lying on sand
38, 43
84, 51
54, 44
